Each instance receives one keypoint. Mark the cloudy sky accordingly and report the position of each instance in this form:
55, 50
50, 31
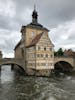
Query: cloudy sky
57, 15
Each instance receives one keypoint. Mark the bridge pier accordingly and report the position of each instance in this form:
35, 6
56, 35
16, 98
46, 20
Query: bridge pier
12, 66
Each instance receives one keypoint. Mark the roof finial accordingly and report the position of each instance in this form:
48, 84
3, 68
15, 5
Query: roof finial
34, 15
34, 7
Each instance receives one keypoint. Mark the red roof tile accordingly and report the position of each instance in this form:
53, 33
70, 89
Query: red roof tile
35, 40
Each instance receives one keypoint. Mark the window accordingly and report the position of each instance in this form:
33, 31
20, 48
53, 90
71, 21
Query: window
50, 49
51, 56
46, 64
41, 55
45, 48
43, 64
51, 64
22, 38
37, 55
33, 33
47, 55
38, 48
38, 64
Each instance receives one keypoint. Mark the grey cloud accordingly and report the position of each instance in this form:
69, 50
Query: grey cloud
8, 40
52, 13
9, 23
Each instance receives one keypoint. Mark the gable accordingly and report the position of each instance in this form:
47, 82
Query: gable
42, 39
35, 40
45, 40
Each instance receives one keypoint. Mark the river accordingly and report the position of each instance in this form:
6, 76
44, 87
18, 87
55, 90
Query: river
14, 85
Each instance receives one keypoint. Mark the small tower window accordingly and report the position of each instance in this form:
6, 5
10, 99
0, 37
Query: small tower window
33, 33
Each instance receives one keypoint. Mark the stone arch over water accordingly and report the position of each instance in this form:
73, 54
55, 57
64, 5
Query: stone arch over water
63, 66
12, 65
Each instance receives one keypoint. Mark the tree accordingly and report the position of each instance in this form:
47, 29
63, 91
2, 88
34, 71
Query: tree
60, 52
55, 53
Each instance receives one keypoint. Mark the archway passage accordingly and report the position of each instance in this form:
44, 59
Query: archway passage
14, 66
63, 67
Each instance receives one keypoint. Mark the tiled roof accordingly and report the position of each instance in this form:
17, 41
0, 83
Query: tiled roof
37, 26
35, 40
69, 52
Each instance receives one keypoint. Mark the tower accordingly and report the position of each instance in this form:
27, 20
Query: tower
36, 48
32, 29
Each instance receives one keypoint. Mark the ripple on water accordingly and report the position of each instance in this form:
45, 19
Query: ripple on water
20, 87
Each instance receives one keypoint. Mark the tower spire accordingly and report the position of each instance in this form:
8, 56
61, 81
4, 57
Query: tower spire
34, 7
34, 15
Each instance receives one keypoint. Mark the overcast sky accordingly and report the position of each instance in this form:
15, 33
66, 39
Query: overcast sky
57, 15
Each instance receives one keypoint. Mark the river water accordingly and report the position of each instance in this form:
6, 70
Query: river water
14, 85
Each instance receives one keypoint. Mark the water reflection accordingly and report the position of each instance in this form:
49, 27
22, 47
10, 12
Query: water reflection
14, 85
6, 74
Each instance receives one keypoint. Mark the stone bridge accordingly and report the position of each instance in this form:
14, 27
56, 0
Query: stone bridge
69, 60
21, 63
12, 61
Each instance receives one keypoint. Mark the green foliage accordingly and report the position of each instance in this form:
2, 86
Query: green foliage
59, 52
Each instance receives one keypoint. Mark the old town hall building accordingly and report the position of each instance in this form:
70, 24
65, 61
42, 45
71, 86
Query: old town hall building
36, 48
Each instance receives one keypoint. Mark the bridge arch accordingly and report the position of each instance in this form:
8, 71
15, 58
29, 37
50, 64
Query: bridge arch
10, 61
63, 66
69, 60
12, 64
